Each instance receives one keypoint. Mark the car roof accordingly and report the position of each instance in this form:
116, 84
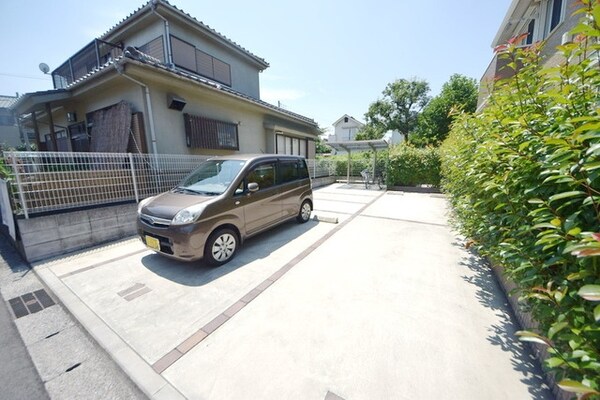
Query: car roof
256, 157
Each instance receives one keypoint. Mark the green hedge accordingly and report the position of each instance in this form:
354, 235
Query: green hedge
523, 178
411, 166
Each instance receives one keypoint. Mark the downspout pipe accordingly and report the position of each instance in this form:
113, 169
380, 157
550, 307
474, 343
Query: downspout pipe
121, 70
167, 34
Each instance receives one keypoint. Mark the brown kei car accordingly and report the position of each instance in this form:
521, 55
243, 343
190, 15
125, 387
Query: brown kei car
224, 201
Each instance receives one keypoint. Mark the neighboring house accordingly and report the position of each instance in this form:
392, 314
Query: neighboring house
547, 20
160, 81
9, 130
345, 129
393, 137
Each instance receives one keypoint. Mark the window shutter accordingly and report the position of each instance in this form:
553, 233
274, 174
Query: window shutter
222, 71
184, 54
204, 64
154, 48
206, 133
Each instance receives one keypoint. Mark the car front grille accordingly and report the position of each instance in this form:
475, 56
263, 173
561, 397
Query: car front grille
155, 221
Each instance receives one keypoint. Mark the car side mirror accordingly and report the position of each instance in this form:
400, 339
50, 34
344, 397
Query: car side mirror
252, 187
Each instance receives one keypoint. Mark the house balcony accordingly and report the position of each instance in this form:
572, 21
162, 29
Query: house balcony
92, 56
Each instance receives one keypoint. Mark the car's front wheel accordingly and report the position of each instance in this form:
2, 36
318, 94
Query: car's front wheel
304, 213
220, 247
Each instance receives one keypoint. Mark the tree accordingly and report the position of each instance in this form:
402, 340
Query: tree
321, 146
459, 93
369, 132
399, 108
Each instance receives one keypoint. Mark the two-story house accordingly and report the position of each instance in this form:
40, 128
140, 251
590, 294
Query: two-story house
542, 20
345, 129
160, 81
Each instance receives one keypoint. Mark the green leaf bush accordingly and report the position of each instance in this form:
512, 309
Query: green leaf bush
412, 166
523, 179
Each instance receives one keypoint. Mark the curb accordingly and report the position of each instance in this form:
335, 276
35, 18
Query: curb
415, 189
139, 371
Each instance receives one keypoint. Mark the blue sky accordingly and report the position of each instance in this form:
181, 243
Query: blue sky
327, 57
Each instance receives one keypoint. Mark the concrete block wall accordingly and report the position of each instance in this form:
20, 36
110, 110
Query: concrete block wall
324, 181
53, 235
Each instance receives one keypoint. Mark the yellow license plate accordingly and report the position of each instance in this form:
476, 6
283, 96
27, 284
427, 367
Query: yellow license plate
153, 243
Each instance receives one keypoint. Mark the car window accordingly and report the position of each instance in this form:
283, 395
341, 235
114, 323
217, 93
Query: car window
264, 175
211, 177
288, 171
302, 170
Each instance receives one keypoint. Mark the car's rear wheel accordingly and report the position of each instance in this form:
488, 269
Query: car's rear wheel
221, 246
304, 213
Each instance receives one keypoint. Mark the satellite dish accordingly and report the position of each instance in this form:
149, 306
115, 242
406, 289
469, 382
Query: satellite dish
44, 68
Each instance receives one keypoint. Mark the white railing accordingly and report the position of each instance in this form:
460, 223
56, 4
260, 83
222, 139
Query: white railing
319, 168
51, 181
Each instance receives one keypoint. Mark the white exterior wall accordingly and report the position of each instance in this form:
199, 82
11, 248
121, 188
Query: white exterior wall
345, 131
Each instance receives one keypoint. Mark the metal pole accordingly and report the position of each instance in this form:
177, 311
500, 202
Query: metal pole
135, 188
348, 169
374, 163
18, 179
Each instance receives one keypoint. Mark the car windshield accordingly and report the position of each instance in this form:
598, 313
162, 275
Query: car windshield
212, 177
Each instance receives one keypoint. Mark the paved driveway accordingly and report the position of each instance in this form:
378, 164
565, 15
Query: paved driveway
385, 304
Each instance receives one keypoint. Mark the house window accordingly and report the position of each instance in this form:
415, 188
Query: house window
186, 56
554, 15
206, 133
291, 145
530, 30
154, 48
345, 119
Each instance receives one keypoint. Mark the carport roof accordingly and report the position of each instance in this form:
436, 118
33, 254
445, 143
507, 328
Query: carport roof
360, 145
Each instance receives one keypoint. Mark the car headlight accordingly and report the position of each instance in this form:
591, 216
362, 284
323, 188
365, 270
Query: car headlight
188, 215
142, 203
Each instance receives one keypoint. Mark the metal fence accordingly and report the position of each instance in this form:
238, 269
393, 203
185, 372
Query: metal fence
52, 181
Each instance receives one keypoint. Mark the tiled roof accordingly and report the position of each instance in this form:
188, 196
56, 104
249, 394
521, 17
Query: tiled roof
193, 20
131, 54
134, 54
7, 101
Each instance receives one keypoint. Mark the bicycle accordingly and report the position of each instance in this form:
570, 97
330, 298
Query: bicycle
366, 177
381, 180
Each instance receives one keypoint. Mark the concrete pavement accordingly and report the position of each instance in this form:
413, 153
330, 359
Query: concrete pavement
385, 304
44, 353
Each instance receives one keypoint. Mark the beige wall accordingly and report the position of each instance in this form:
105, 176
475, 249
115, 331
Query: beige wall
256, 125
111, 92
150, 32
169, 124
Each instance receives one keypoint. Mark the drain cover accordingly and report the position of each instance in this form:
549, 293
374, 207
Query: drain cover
30, 303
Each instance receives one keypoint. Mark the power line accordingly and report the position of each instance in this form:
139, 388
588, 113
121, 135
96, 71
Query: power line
45, 78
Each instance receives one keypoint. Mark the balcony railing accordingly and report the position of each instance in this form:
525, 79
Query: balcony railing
92, 56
